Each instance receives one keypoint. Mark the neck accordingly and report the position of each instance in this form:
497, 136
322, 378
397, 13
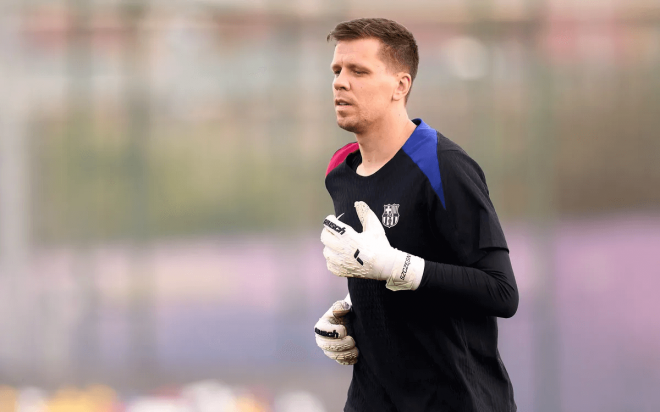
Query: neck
382, 141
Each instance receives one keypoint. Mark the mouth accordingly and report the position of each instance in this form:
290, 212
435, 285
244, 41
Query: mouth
341, 103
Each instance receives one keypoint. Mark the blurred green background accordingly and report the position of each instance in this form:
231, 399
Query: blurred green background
162, 189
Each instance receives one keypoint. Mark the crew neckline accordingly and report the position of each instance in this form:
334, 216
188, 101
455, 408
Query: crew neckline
355, 159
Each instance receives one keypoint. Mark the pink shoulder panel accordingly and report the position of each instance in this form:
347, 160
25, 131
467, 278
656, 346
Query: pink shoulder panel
340, 155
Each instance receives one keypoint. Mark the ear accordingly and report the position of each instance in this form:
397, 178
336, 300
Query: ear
403, 86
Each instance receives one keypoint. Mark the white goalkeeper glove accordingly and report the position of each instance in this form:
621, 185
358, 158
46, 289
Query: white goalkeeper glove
331, 334
368, 254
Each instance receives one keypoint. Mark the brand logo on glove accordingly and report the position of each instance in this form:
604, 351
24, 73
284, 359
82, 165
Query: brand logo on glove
332, 334
357, 253
404, 271
340, 230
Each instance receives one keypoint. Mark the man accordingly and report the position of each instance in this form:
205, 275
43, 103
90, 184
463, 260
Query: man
419, 240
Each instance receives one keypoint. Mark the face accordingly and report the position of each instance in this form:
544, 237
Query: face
364, 87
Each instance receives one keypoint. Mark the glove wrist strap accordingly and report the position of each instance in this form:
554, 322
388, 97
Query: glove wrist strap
406, 273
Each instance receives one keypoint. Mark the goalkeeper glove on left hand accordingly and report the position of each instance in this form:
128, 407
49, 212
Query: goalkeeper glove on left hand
331, 335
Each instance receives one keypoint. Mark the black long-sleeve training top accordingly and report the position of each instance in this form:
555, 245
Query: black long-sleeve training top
434, 348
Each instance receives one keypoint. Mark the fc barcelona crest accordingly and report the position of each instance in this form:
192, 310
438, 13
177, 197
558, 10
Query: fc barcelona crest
391, 215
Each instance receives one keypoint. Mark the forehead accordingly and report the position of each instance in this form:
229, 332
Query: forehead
360, 50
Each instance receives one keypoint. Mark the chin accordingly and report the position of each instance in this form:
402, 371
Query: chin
350, 125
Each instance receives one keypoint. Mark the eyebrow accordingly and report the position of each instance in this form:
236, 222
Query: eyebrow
351, 66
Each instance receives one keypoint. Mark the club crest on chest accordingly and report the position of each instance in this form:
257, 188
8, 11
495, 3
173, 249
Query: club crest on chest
391, 215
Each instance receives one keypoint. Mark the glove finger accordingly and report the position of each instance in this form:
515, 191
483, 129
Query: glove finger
330, 262
331, 240
337, 228
336, 257
333, 262
347, 357
331, 268
335, 345
339, 270
330, 328
370, 222
332, 319
340, 308
348, 362
329, 254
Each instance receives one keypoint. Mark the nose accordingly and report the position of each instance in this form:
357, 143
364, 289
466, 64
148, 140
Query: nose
340, 82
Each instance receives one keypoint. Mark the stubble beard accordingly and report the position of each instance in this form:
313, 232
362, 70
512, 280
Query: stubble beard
350, 125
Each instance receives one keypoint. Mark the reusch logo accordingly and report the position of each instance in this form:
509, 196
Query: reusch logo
338, 229
332, 334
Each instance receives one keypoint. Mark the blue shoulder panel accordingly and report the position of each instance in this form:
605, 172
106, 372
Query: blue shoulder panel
422, 147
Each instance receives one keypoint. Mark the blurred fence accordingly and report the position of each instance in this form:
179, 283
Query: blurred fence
161, 188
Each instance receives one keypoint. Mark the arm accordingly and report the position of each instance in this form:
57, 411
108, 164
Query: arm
487, 286
464, 218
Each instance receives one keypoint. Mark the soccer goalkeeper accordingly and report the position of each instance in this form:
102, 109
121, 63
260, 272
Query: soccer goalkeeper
417, 237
